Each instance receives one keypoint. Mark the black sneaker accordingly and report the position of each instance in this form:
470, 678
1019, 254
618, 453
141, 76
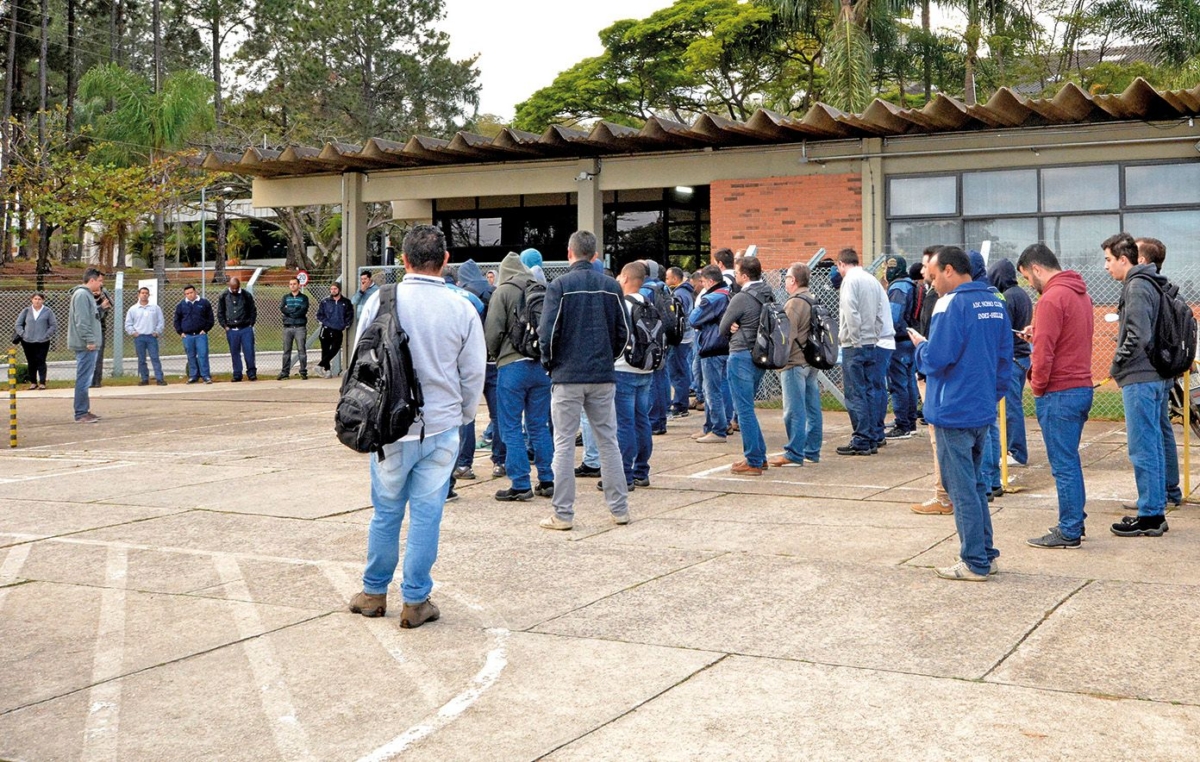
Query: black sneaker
498, 471
579, 440
583, 470
509, 495
193, 380
642, 482
1053, 539
252, 378
544, 489
851, 450
451, 496
997, 492
896, 432
658, 432
280, 377
303, 376
1140, 526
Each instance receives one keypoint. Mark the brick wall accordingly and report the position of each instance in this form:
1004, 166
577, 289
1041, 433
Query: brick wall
789, 218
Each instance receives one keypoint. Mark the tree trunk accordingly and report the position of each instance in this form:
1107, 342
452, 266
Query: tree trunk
10, 64
42, 67
928, 63
122, 232
156, 21
222, 241
216, 64
43, 249
71, 49
158, 248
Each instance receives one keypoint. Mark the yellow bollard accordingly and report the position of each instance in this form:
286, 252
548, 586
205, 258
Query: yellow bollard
1187, 435
1003, 413
12, 396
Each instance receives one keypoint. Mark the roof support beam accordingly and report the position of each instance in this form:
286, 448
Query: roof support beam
354, 239
590, 208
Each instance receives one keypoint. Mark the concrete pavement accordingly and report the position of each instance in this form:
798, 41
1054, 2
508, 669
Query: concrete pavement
173, 584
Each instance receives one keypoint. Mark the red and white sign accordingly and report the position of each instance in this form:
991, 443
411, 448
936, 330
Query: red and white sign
302, 276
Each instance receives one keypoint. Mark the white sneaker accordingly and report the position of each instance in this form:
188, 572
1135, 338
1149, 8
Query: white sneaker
961, 572
554, 522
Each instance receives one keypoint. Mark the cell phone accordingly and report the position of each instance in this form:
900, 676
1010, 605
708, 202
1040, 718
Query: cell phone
1019, 333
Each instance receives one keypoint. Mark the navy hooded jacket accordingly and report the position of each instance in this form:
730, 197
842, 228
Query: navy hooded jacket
1003, 277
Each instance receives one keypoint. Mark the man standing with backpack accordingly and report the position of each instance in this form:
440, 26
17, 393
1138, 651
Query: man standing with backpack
656, 292
712, 347
801, 395
679, 356
445, 339
740, 326
635, 378
582, 331
1143, 390
522, 385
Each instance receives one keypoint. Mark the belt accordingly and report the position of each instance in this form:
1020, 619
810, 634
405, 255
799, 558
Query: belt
197, 333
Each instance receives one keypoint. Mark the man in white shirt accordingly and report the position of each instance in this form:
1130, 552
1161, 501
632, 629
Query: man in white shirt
144, 322
864, 321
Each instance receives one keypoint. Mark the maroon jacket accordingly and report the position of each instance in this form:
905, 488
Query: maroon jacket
1063, 321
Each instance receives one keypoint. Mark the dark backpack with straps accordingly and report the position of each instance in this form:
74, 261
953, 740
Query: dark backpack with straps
647, 336
773, 343
525, 318
670, 309
381, 395
821, 346
1172, 348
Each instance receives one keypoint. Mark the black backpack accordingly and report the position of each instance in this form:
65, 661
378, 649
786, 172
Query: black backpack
821, 346
647, 336
1173, 346
381, 394
674, 317
773, 344
525, 318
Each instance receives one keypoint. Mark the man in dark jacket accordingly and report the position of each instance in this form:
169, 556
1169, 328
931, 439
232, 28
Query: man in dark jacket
1153, 251
966, 361
740, 326
335, 313
582, 333
660, 392
193, 321
1003, 277
679, 357
712, 347
1143, 390
294, 308
237, 314
471, 278
901, 379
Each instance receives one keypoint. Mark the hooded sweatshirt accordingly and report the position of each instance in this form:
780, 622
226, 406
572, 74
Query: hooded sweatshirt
471, 277
1003, 277
968, 352
83, 320
1062, 335
1138, 311
902, 296
511, 282
744, 309
532, 258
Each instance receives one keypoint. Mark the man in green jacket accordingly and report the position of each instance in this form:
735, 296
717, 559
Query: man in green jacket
83, 338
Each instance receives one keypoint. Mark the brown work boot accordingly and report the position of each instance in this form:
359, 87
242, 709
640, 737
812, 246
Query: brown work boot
368, 604
933, 507
745, 469
414, 615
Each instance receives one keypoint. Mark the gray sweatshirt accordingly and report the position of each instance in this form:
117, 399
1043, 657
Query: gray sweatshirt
1138, 311
83, 320
862, 305
744, 310
39, 330
446, 340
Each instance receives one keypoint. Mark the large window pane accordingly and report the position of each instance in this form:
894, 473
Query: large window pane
1009, 237
910, 237
1180, 233
1081, 189
922, 196
463, 231
489, 231
1011, 192
1162, 184
1076, 241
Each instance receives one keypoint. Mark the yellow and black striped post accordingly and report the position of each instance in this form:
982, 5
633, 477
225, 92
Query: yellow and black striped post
12, 396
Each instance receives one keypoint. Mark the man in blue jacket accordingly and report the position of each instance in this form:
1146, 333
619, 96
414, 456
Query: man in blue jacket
193, 321
679, 357
582, 333
968, 351
335, 314
713, 349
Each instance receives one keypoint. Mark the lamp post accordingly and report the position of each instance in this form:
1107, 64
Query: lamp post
203, 240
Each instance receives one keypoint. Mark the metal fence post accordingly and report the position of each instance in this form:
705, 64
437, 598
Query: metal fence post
118, 328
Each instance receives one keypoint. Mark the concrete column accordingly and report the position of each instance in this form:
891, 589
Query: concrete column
354, 241
590, 206
874, 194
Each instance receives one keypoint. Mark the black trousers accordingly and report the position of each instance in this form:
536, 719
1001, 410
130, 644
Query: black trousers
35, 356
331, 344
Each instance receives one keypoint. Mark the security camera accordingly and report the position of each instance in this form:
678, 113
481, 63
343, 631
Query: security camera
582, 176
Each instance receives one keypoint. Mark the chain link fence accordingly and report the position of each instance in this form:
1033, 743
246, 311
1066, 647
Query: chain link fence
120, 356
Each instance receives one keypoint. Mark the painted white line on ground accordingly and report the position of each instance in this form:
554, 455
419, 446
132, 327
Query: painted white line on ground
10, 570
104, 700
290, 738
65, 472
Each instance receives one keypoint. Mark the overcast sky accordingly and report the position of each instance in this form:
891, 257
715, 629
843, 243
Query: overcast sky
523, 45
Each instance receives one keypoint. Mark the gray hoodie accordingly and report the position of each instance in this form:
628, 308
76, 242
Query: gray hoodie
511, 282
1138, 312
83, 320
744, 309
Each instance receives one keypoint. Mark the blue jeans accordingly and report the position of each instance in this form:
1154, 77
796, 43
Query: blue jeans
85, 366
591, 451
902, 384
801, 413
744, 378
241, 342
145, 344
1014, 411
1143, 427
883, 360
960, 454
489, 396
196, 349
418, 475
633, 400
466, 445
992, 456
859, 367
697, 372
660, 399
679, 371
523, 388
1061, 416
716, 414
1170, 454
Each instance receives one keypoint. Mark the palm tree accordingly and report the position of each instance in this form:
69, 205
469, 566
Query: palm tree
1171, 28
852, 25
995, 22
144, 126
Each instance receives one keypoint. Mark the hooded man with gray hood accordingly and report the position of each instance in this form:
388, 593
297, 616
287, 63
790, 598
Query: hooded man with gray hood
522, 388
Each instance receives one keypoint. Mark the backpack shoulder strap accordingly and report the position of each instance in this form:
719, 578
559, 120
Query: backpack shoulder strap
387, 298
